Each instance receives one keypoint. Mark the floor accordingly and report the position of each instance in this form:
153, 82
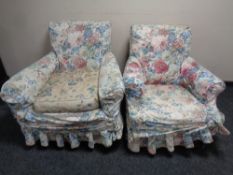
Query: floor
17, 159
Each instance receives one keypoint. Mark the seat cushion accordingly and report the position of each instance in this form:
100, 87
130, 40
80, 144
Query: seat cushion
166, 108
69, 92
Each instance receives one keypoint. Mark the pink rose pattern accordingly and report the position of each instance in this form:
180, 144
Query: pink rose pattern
157, 44
201, 82
86, 40
160, 66
79, 62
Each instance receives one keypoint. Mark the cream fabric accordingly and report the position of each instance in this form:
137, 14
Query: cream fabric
69, 92
167, 104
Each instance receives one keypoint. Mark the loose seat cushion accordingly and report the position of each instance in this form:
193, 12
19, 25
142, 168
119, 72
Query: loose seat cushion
69, 92
166, 108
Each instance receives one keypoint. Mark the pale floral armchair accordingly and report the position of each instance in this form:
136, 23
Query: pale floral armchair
171, 99
72, 94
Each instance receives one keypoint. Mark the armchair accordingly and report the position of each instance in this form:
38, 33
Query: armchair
171, 99
73, 93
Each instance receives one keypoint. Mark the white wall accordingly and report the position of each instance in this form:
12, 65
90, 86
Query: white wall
24, 36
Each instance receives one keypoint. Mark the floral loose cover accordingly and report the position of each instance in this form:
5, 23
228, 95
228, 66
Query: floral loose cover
73, 93
78, 90
171, 99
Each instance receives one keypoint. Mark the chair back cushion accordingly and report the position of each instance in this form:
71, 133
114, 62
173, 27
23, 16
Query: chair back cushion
161, 50
80, 44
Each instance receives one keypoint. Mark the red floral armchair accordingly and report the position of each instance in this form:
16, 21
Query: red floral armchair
171, 99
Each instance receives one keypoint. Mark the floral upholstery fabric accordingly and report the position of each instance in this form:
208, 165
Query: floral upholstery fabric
156, 46
86, 121
171, 99
161, 107
203, 84
110, 94
92, 126
24, 86
77, 90
134, 77
62, 97
78, 44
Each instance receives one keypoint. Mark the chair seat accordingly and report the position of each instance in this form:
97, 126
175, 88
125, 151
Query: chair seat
69, 92
166, 108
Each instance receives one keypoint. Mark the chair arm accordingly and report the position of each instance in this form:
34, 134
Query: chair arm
202, 83
133, 78
111, 86
24, 86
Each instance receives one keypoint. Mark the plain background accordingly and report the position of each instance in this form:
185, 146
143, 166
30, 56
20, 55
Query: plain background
24, 37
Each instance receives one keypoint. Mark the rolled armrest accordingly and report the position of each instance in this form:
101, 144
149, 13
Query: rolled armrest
24, 86
111, 86
202, 83
133, 78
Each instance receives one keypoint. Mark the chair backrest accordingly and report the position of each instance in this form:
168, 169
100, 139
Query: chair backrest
160, 49
79, 44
